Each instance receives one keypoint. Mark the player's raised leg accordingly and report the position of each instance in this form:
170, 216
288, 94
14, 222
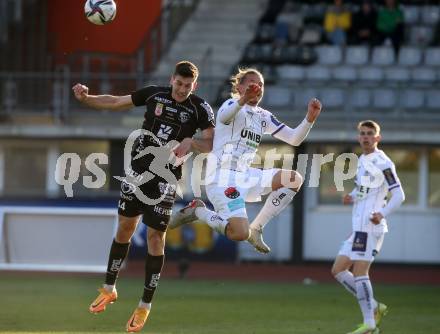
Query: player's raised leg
285, 185
118, 252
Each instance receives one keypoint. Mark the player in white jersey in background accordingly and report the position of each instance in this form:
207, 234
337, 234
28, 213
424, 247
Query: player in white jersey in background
241, 124
375, 177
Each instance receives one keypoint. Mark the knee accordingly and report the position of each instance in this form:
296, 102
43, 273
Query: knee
155, 242
238, 232
241, 235
125, 232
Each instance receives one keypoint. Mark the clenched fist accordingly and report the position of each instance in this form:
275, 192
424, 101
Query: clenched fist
80, 91
313, 110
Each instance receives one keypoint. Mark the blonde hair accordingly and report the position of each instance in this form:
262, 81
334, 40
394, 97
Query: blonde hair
370, 124
238, 78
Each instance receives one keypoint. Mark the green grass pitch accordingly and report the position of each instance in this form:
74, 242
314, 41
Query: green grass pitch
54, 304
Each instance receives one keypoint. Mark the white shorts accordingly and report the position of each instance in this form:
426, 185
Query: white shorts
231, 189
360, 249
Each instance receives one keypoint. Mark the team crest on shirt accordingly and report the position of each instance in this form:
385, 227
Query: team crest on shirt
232, 192
158, 110
184, 117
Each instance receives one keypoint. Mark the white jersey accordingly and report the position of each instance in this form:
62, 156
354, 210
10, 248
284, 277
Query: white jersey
236, 143
376, 175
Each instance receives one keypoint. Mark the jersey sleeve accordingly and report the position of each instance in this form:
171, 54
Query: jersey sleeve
390, 175
140, 96
206, 116
273, 125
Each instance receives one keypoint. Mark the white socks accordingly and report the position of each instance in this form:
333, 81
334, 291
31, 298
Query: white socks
275, 203
364, 293
346, 278
215, 221
109, 288
144, 305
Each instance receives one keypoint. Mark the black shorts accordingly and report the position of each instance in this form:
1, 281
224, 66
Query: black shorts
156, 216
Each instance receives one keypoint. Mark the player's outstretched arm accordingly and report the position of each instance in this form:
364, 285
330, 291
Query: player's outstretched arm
108, 102
297, 135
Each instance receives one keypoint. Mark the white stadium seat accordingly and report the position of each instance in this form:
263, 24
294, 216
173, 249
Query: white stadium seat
329, 55
409, 56
356, 55
382, 56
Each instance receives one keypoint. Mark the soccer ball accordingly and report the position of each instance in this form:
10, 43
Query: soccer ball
100, 11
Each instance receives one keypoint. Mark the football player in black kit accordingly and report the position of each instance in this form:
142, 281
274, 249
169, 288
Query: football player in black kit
172, 114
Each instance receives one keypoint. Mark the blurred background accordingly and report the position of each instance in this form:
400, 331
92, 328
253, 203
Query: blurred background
375, 60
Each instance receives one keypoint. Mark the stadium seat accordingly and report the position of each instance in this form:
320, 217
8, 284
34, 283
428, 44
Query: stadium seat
420, 35
332, 97
432, 56
291, 72
344, 73
318, 73
356, 55
265, 33
253, 54
329, 55
382, 56
371, 74
277, 96
359, 98
266, 53
411, 99
397, 74
411, 14
409, 56
430, 14
433, 99
384, 98
423, 75
311, 35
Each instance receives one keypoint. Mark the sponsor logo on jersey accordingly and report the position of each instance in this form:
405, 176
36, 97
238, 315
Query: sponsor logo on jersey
127, 188
185, 107
174, 110
158, 110
232, 192
184, 117
248, 134
166, 188
163, 211
164, 131
162, 100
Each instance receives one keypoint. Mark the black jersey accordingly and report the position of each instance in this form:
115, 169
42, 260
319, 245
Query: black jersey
169, 120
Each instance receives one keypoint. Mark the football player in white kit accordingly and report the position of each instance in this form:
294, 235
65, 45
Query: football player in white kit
375, 178
240, 126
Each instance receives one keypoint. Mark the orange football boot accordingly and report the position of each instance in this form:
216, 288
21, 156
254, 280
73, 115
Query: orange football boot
137, 320
104, 298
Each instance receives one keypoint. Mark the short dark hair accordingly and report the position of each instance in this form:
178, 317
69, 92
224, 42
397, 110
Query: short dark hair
186, 69
369, 124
